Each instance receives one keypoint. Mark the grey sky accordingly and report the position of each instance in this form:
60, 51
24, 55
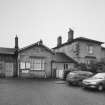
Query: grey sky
33, 20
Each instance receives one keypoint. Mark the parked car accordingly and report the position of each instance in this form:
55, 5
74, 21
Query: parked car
97, 81
76, 77
66, 72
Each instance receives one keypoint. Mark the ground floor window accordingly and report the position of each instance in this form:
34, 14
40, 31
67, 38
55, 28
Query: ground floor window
24, 65
37, 64
34, 64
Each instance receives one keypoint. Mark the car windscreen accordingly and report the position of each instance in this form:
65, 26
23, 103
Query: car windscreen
99, 76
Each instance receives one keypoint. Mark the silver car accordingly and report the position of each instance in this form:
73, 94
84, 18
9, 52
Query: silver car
97, 81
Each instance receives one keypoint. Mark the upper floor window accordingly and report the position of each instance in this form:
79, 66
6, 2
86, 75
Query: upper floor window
90, 49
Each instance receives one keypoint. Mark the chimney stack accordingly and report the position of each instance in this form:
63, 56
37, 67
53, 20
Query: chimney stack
70, 35
16, 42
16, 56
59, 41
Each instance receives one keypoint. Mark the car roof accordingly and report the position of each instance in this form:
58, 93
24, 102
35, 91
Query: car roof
101, 74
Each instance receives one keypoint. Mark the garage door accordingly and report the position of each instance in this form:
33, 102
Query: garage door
9, 69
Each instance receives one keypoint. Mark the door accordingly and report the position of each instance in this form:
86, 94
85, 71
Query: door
1, 69
59, 74
8, 69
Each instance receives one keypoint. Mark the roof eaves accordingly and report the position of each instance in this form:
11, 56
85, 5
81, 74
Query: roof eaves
90, 40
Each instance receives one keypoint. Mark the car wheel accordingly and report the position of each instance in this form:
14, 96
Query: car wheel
100, 87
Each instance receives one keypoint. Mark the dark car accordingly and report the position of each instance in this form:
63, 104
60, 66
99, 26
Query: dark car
97, 81
76, 77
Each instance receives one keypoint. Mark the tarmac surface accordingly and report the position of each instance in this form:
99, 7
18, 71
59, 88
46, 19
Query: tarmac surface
46, 92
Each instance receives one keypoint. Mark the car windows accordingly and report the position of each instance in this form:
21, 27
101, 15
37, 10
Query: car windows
99, 76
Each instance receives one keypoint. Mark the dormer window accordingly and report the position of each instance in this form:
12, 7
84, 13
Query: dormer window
90, 49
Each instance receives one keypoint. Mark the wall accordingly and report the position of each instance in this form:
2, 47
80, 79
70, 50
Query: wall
84, 51
68, 49
78, 50
60, 66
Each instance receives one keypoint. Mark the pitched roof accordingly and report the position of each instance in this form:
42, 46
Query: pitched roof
80, 39
63, 58
36, 44
7, 50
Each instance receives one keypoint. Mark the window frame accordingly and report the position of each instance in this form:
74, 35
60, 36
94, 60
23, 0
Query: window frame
24, 64
36, 65
90, 49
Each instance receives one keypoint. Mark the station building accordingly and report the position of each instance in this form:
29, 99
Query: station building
39, 61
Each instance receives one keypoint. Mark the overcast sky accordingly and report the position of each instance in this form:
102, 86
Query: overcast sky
33, 20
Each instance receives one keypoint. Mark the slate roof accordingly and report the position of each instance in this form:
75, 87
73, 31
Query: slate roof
80, 39
36, 44
7, 50
63, 58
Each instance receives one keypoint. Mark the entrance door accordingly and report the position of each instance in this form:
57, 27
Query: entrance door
9, 69
59, 74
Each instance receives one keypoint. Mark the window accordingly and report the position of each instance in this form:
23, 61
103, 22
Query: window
88, 62
22, 65
65, 66
25, 65
90, 49
37, 64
